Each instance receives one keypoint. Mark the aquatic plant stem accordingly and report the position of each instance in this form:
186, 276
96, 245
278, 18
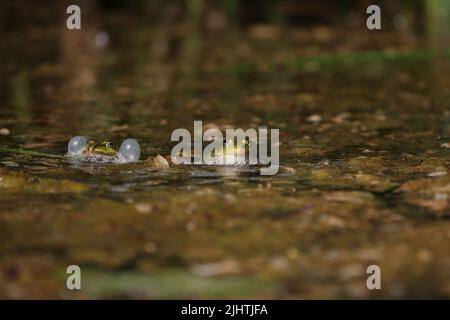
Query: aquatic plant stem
30, 152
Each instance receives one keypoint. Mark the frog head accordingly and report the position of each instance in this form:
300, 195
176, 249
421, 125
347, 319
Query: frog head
231, 147
104, 148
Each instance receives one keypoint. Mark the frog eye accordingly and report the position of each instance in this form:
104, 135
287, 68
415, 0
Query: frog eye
130, 150
77, 144
109, 144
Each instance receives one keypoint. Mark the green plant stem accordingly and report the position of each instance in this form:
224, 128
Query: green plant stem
30, 152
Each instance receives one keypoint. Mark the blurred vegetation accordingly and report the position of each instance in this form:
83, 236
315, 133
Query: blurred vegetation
425, 17
431, 14
437, 20
171, 284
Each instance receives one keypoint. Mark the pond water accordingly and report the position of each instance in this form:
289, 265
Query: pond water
364, 153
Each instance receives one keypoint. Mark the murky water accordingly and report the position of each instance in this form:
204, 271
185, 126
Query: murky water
363, 179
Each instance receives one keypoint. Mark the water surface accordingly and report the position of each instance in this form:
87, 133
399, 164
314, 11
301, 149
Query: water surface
364, 135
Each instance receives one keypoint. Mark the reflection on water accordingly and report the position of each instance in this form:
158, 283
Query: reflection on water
363, 179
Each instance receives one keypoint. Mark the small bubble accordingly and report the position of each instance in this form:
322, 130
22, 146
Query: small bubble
101, 39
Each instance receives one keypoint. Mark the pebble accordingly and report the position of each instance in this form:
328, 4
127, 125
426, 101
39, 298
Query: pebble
5, 131
315, 118
143, 208
440, 196
160, 162
438, 174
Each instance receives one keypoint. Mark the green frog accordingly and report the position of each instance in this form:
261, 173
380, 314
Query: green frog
231, 152
88, 150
